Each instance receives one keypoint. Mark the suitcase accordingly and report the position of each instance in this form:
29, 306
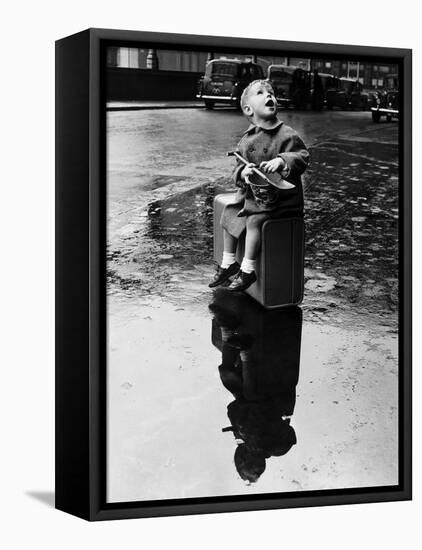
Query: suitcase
280, 263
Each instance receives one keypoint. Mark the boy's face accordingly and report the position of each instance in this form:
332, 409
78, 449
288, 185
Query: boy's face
261, 102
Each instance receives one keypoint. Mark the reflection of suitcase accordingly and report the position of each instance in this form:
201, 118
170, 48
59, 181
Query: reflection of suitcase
280, 261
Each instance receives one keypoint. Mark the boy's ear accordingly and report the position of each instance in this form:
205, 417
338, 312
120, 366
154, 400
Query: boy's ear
247, 109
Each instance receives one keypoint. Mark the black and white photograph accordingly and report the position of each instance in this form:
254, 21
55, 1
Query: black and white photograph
209, 249
252, 262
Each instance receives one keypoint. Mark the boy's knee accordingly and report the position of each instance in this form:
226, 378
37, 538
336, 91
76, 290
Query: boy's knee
254, 222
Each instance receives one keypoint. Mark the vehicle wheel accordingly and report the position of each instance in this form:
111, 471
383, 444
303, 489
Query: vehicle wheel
209, 104
389, 118
376, 117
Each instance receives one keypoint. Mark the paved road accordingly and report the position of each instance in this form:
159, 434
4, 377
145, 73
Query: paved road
153, 153
165, 167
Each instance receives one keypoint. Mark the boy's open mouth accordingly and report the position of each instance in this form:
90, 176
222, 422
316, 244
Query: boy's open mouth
269, 103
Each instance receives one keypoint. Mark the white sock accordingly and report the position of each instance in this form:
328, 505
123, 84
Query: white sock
248, 265
228, 259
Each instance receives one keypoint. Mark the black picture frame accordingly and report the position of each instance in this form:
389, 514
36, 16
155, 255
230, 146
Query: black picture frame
80, 279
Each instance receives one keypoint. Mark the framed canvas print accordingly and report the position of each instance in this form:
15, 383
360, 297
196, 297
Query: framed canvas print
233, 274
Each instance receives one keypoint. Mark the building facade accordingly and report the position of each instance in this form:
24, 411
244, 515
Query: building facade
371, 75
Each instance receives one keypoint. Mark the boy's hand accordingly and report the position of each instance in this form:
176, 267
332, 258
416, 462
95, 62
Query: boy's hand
247, 171
271, 166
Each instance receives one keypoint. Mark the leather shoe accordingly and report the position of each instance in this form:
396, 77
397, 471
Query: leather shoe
242, 281
223, 274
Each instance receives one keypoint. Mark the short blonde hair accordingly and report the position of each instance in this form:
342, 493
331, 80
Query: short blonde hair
245, 94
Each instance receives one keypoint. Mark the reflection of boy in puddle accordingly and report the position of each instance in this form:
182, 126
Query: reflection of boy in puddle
260, 367
277, 150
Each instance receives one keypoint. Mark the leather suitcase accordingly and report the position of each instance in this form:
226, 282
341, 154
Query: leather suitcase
280, 263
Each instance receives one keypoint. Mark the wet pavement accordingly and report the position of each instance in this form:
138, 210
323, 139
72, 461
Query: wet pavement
167, 398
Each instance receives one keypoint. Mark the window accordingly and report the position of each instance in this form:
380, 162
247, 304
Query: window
391, 82
222, 69
113, 56
124, 58
280, 75
133, 58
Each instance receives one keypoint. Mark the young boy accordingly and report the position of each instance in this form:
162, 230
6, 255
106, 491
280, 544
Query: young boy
272, 146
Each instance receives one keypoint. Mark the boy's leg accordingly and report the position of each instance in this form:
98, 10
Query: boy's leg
228, 266
253, 235
230, 242
247, 275
229, 250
